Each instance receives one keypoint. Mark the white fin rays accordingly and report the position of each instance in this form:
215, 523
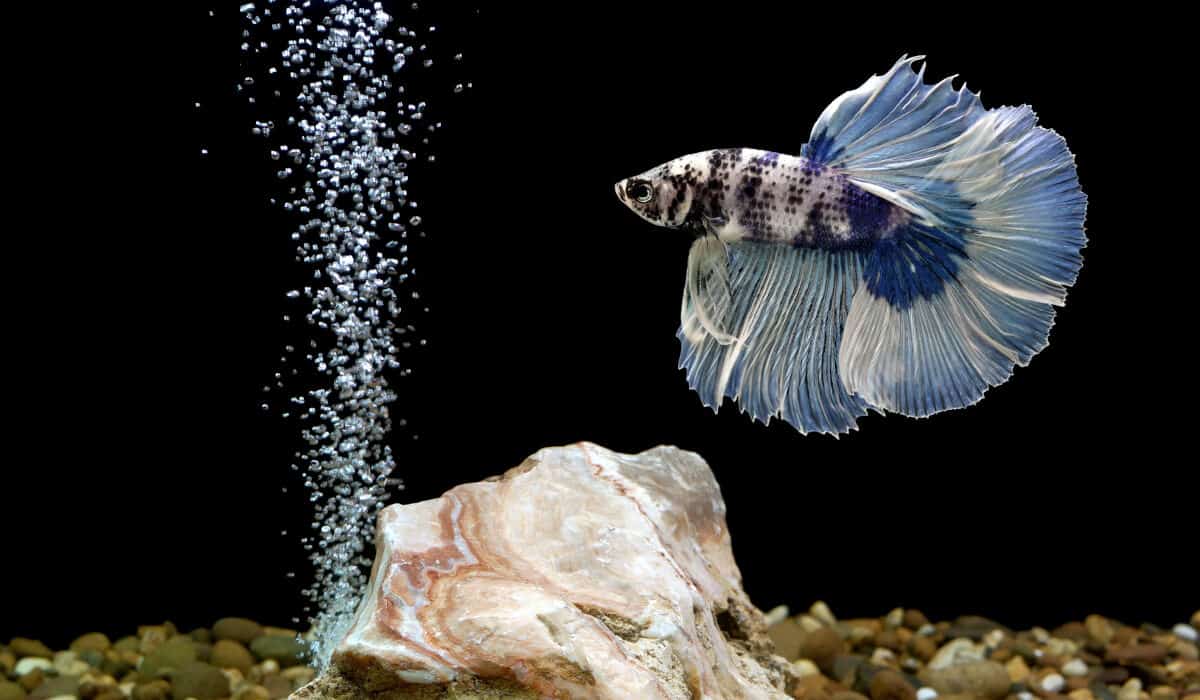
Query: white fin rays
707, 302
787, 309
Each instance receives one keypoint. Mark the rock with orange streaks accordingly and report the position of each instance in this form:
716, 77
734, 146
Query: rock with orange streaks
581, 573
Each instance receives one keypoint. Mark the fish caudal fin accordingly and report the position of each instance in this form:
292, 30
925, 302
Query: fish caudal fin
952, 300
775, 350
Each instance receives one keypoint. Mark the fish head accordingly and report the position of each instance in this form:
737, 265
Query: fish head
661, 195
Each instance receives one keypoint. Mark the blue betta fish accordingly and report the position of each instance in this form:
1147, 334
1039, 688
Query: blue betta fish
906, 260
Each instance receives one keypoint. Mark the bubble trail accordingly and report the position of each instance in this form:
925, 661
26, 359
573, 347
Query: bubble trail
346, 180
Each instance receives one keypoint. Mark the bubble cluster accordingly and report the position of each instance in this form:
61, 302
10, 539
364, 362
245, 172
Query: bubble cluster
345, 177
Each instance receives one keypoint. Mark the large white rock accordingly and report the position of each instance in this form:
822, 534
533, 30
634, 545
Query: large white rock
581, 573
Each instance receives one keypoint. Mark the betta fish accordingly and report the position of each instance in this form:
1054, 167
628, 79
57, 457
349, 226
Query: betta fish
906, 260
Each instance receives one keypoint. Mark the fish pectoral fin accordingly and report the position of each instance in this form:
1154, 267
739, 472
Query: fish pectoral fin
707, 299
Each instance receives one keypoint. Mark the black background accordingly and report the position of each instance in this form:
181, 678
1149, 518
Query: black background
142, 482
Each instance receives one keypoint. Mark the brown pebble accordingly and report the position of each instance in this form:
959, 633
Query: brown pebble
986, 679
154, 690
227, 653
890, 685
814, 687
888, 639
922, 647
1077, 682
1017, 669
8, 661
821, 647
252, 692
1163, 692
786, 635
32, 680
1002, 655
1137, 653
915, 619
1196, 619
239, 629
55, 687
1074, 631
94, 641
280, 687
1081, 694
11, 691
110, 694
23, 647
1099, 629
1112, 675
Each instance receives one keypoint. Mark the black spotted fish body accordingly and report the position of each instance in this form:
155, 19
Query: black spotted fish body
906, 260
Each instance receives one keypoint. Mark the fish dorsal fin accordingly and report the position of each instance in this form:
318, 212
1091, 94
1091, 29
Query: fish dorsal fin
707, 301
890, 135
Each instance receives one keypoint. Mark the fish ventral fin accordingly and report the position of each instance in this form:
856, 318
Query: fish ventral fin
957, 295
775, 352
707, 300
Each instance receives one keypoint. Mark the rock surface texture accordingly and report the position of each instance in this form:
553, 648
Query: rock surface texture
581, 573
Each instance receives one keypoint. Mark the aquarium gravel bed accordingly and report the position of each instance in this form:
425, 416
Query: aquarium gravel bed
900, 656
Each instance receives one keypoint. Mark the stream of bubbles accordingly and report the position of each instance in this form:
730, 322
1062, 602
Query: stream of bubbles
342, 157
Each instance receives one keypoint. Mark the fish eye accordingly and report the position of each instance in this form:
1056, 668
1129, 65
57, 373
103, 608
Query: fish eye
640, 192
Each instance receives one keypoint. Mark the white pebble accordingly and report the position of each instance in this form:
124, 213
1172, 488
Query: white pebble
1053, 683
926, 694
30, 664
1185, 632
1075, 667
1025, 695
778, 614
822, 612
804, 668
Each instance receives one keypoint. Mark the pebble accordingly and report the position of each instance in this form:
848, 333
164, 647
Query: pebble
922, 647
1053, 683
1184, 632
252, 692
804, 667
1075, 667
1017, 669
227, 653
1196, 620
279, 687
1081, 694
154, 690
890, 685
299, 675
239, 629
1163, 692
288, 651
915, 619
91, 642
199, 680
786, 635
11, 691
1099, 629
777, 614
22, 647
56, 687
895, 618
957, 651
30, 664
1131, 690
822, 612
926, 693
31, 680
1134, 653
67, 663
8, 660
171, 655
820, 646
986, 679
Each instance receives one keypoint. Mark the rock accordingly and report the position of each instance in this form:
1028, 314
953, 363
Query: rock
890, 685
279, 687
55, 687
1017, 669
1075, 667
127, 644
94, 659
22, 647
11, 691
287, 651
974, 628
8, 661
804, 667
1184, 632
67, 663
239, 629
895, 618
813, 688
91, 642
922, 647
31, 664
199, 680
1185, 650
171, 655
227, 653
1137, 653
822, 612
154, 690
926, 693
1164, 692
821, 647
1074, 631
1099, 629
579, 569
298, 675
915, 619
1131, 690
252, 692
1081, 694
1196, 620
786, 636
1052, 683
986, 679
956, 651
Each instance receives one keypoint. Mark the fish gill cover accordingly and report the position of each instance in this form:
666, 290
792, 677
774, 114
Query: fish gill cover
330, 72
